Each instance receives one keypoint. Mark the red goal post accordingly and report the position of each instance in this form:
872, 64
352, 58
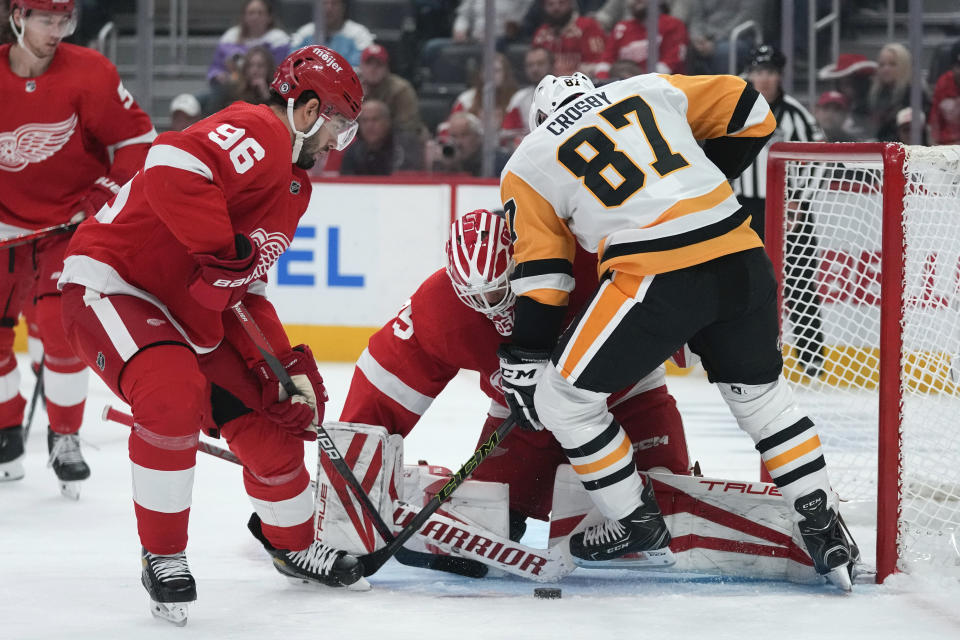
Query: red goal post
865, 242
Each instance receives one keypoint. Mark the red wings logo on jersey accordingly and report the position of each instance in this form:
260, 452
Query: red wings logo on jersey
34, 142
271, 246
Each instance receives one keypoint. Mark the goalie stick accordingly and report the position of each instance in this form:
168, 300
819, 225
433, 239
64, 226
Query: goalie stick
376, 559
39, 234
409, 557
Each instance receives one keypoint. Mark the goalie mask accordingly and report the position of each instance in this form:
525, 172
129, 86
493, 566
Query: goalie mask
62, 22
328, 74
479, 263
553, 92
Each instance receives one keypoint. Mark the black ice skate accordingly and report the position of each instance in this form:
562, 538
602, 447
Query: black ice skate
642, 530
67, 462
832, 549
171, 586
11, 453
317, 564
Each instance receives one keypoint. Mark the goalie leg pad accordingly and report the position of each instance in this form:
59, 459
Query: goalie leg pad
376, 458
596, 445
786, 438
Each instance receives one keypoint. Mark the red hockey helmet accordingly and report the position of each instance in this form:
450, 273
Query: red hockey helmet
479, 262
328, 74
51, 6
55, 6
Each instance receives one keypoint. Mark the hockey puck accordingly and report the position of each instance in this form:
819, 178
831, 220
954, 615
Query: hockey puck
546, 593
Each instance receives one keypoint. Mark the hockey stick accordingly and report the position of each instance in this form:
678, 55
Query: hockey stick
24, 238
324, 441
373, 561
37, 392
460, 566
328, 447
114, 415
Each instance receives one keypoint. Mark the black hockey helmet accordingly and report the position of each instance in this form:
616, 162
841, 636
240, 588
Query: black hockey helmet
767, 56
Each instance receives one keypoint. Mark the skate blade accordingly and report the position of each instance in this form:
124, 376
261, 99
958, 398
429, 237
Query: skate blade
173, 612
840, 578
10, 471
359, 585
653, 559
70, 489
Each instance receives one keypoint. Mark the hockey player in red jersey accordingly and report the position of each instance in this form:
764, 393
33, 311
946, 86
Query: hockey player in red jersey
70, 134
456, 320
148, 285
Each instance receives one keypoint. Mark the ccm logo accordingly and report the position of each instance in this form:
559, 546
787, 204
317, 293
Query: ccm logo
519, 374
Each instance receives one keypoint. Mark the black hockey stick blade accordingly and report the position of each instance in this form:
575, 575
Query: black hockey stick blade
373, 561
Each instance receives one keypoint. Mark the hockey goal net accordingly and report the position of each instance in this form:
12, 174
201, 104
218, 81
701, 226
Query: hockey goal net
865, 241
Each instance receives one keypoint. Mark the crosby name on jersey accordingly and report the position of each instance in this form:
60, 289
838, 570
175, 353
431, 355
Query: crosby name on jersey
662, 207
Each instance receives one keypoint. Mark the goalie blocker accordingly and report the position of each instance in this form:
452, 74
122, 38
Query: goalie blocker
719, 527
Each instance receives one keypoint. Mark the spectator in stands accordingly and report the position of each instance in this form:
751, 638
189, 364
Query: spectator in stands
379, 150
832, 112
396, 92
851, 75
184, 111
257, 27
577, 42
346, 37
252, 85
469, 24
506, 85
904, 124
628, 41
710, 23
536, 64
890, 90
945, 110
461, 153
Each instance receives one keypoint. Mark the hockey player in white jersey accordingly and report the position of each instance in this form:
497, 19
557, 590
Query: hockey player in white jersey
620, 170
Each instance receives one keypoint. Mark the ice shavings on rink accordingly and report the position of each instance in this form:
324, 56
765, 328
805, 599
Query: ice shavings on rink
71, 569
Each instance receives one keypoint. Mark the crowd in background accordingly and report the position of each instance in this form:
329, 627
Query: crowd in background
401, 129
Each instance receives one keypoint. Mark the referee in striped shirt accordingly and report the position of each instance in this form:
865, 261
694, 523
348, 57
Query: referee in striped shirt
794, 124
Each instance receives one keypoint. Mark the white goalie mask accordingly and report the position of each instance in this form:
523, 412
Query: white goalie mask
553, 92
479, 263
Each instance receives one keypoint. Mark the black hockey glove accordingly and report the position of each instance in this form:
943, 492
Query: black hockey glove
520, 371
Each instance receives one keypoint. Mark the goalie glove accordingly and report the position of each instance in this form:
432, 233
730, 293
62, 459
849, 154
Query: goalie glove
219, 283
303, 412
520, 371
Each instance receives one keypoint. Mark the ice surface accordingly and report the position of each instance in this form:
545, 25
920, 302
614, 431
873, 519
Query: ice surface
70, 570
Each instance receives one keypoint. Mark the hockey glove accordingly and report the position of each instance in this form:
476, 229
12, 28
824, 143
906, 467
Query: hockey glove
301, 413
218, 283
520, 371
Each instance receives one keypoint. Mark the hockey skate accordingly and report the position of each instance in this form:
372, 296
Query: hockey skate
11, 453
67, 462
317, 564
170, 585
644, 529
832, 549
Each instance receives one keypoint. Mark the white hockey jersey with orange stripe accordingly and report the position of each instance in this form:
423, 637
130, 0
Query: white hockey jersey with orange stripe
620, 171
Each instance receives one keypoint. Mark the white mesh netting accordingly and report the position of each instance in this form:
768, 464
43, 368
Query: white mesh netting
831, 334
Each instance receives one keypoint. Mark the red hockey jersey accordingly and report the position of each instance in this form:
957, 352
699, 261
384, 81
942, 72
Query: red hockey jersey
411, 359
581, 41
59, 134
628, 41
230, 173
